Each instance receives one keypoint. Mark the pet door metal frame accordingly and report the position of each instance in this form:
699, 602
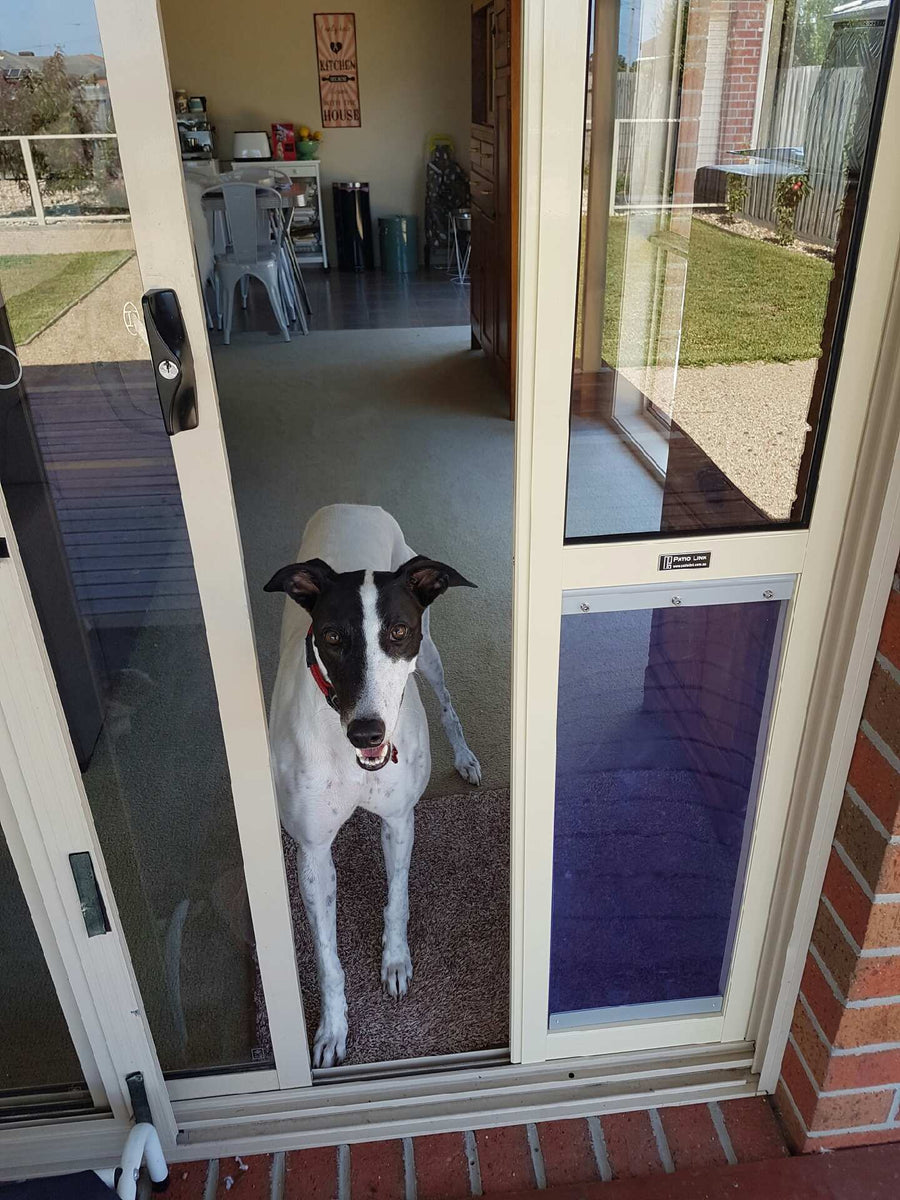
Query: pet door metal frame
697, 593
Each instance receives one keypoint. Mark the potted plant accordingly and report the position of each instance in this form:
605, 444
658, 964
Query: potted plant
736, 189
789, 191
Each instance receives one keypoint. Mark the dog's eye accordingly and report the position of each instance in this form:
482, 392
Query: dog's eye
399, 632
331, 637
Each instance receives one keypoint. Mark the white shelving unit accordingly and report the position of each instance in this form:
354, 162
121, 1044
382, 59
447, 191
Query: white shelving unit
308, 235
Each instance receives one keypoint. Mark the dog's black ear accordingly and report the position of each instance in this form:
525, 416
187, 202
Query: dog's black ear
303, 582
427, 579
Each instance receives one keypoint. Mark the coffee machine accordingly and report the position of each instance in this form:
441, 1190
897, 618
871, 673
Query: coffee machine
194, 130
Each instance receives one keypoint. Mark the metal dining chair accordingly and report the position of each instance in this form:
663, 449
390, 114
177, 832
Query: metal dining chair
195, 186
296, 295
245, 254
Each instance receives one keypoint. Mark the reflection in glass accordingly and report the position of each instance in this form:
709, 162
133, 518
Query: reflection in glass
88, 473
83, 177
662, 721
15, 194
722, 163
37, 1051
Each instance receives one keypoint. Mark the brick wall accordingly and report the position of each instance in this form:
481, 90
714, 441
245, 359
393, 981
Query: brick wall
746, 24
840, 1078
690, 104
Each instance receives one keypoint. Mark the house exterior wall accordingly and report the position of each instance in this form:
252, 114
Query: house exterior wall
713, 99
743, 58
709, 87
692, 101
840, 1077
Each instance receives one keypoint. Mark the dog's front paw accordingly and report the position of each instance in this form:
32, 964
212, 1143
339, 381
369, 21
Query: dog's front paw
396, 970
468, 765
330, 1046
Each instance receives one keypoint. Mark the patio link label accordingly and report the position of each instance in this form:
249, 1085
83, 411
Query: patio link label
678, 562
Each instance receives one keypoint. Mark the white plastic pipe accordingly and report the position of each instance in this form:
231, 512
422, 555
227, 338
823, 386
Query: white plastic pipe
142, 1145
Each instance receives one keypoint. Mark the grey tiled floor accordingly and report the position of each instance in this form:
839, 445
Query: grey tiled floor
366, 300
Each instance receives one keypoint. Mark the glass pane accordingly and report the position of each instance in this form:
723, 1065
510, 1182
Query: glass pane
88, 473
724, 154
81, 178
15, 194
374, 397
663, 714
37, 1051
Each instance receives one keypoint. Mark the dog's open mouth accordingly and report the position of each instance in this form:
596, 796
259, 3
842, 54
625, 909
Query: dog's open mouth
373, 758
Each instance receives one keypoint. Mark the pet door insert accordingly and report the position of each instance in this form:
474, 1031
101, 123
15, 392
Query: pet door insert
665, 698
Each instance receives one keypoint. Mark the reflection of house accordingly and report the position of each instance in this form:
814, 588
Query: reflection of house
88, 69
78, 66
738, 88
712, 103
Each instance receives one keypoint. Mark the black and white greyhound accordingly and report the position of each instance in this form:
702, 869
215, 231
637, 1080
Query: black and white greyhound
347, 727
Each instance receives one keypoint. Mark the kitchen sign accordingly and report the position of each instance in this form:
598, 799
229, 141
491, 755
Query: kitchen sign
338, 75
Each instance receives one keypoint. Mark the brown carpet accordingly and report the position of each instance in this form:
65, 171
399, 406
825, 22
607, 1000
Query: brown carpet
458, 932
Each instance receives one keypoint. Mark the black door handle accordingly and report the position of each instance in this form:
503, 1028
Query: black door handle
92, 907
173, 365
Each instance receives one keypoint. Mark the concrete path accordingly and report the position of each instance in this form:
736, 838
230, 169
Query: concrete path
750, 418
94, 329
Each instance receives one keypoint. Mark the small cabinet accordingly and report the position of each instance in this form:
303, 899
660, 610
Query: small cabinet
308, 219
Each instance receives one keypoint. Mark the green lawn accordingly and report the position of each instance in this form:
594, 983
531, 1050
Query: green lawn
744, 300
38, 288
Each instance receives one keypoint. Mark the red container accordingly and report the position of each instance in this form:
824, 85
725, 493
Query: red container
284, 145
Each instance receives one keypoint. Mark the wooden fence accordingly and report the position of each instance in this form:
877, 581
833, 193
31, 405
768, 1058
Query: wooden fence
821, 130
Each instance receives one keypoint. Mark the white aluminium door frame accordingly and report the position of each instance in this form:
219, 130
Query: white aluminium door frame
46, 818
555, 46
45, 811
141, 95
59, 951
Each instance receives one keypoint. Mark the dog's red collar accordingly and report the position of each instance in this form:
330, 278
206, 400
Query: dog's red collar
324, 685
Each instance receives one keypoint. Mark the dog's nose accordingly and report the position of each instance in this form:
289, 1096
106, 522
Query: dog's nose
365, 732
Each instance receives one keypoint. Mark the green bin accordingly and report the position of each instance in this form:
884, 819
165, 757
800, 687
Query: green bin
398, 243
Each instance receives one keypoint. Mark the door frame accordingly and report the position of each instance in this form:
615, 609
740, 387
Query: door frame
45, 819
149, 150
50, 805
48, 815
59, 952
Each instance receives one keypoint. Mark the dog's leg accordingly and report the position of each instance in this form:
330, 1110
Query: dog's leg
397, 843
318, 883
429, 663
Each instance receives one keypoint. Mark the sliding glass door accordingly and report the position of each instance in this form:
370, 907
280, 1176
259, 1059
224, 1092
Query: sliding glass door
706, 279
125, 544
701, 289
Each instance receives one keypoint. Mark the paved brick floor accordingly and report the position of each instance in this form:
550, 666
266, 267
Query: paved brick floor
512, 1159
